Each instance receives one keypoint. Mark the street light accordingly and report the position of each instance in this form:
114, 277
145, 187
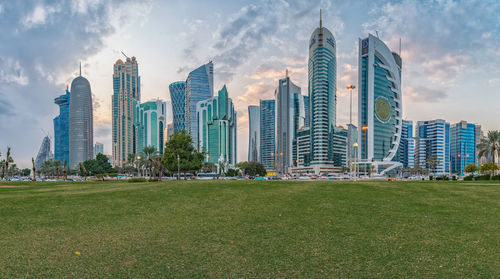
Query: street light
178, 167
138, 159
355, 145
350, 87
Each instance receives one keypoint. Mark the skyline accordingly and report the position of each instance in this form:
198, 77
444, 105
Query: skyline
444, 65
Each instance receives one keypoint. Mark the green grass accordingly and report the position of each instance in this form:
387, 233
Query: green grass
228, 229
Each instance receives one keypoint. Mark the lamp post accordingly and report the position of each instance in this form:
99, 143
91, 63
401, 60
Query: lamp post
178, 167
355, 145
350, 87
138, 161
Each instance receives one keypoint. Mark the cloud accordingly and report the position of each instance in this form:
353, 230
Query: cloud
39, 15
5, 107
422, 94
12, 72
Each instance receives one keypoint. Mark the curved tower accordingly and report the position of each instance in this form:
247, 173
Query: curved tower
178, 96
81, 126
379, 105
322, 94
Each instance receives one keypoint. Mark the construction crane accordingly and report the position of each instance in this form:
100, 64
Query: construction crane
124, 55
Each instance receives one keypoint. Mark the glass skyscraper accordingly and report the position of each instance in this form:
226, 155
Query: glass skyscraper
463, 141
149, 120
322, 94
61, 128
379, 103
44, 154
433, 139
126, 95
253, 133
217, 128
407, 145
199, 87
178, 97
98, 148
81, 122
267, 133
290, 116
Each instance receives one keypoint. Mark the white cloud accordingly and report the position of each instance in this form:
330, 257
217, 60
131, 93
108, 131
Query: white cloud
39, 15
12, 72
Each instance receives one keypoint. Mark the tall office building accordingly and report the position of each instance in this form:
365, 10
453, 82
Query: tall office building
352, 137
149, 120
322, 95
290, 116
44, 153
81, 122
407, 145
340, 139
98, 148
170, 130
199, 87
253, 133
463, 142
126, 94
303, 147
61, 128
178, 97
433, 139
379, 104
217, 128
267, 134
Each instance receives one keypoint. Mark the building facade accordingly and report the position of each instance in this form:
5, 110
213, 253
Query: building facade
199, 87
217, 128
178, 97
379, 103
407, 145
98, 148
267, 134
433, 142
81, 122
340, 140
170, 130
322, 69
352, 137
44, 153
126, 94
290, 116
463, 142
149, 120
253, 133
61, 128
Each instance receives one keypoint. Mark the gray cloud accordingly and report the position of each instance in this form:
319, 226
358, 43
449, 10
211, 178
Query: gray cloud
423, 94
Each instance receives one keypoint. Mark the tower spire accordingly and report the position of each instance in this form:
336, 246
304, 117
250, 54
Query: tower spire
320, 20
287, 72
80, 68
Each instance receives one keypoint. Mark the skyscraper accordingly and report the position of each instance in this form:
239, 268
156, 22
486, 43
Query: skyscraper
61, 128
433, 141
340, 138
463, 141
379, 103
81, 122
407, 145
322, 95
290, 116
126, 95
253, 133
149, 120
44, 154
178, 97
199, 87
98, 148
267, 134
217, 128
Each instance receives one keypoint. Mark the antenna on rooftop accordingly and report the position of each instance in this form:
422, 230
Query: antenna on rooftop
377, 34
320, 19
286, 72
399, 47
80, 68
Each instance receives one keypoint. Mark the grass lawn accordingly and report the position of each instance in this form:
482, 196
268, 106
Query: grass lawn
250, 229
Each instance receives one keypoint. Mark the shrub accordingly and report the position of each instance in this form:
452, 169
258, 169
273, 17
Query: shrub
137, 180
446, 178
431, 177
496, 177
467, 178
483, 177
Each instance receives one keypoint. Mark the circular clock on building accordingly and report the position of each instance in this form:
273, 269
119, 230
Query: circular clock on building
383, 109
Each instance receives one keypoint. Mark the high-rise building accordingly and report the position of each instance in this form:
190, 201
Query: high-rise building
61, 128
98, 148
149, 120
178, 97
340, 139
479, 135
352, 137
170, 130
303, 147
267, 134
322, 95
126, 95
81, 122
433, 142
407, 145
217, 128
253, 133
290, 116
199, 87
463, 142
44, 154
379, 104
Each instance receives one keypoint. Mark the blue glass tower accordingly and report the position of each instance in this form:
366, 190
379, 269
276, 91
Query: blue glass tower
61, 128
267, 126
433, 139
322, 94
407, 145
253, 133
178, 97
199, 87
462, 146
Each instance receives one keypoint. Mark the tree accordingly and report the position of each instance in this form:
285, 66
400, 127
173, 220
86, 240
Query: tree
208, 167
180, 154
242, 166
490, 146
489, 168
34, 168
432, 162
231, 172
255, 169
471, 168
99, 165
25, 172
7, 160
148, 159
50, 168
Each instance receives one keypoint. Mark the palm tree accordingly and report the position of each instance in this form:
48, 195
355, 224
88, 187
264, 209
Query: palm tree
432, 162
490, 146
149, 161
34, 168
8, 160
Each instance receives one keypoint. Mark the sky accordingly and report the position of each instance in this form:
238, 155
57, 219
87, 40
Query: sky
450, 51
